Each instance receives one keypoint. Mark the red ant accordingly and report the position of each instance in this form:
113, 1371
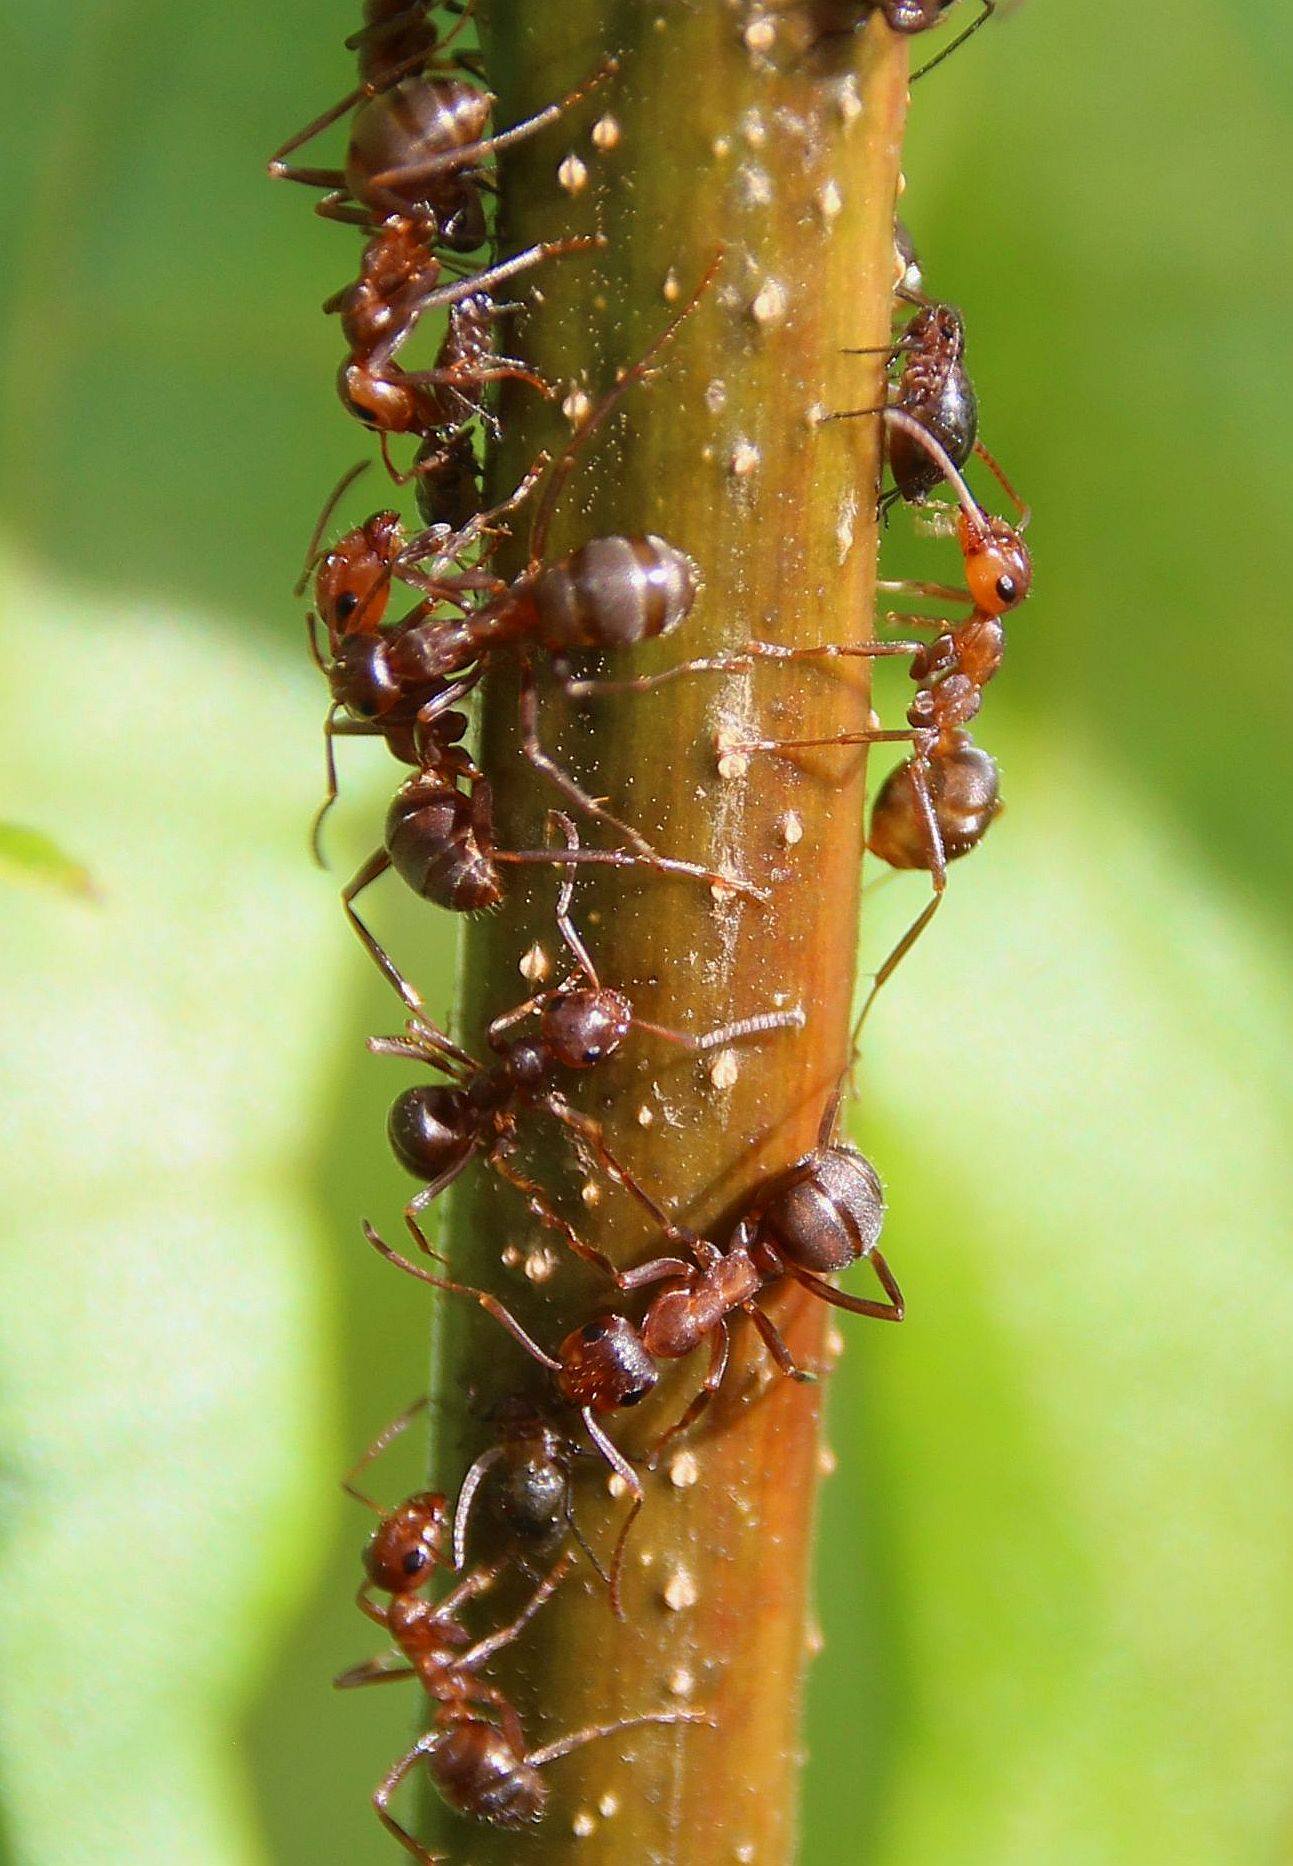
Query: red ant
817, 1216
437, 1128
935, 389
399, 280
476, 1750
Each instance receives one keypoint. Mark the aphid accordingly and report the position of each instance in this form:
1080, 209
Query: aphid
416, 148
524, 1483
816, 1217
934, 388
437, 1128
476, 1751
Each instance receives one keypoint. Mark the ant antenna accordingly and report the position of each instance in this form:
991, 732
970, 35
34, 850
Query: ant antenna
1021, 506
989, 8
312, 551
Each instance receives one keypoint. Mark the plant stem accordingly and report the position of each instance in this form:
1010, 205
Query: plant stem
724, 133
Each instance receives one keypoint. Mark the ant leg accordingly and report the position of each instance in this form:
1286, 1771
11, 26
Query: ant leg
484, 1649
376, 865
467, 1496
468, 1589
565, 896
589, 1132
989, 8
719, 1354
281, 170
775, 1344
387, 1787
625, 858
616, 1575
938, 878
490, 1304
533, 1195
441, 295
738, 662
876, 737
556, 775
551, 1752
471, 153
428, 1194
387, 1669
387, 1436
891, 1311
426, 1042
941, 592
329, 774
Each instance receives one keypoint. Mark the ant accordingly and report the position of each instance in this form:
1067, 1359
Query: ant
815, 1217
399, 280
437, 1128
415, 147
947, 782
933, 388
476, 1750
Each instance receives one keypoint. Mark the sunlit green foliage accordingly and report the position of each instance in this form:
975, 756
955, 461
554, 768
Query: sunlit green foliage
1054, 1585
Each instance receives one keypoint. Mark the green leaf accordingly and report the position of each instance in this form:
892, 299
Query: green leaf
29, 857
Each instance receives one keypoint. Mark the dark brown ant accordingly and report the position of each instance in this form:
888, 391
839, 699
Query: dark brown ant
397, 34
437, 1128
934, 388
416, 147
476, 1751
816, 1217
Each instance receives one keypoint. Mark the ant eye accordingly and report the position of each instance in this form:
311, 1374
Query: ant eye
593, 1331
634, 1394
1006, 589
346, 606
415, 1561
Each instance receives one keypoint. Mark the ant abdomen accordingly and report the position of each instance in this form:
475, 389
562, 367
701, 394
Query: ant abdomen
965, 794
613, 592
829, 1217
400, 128
431, 837
430, 1129
479, 1773
605, 1365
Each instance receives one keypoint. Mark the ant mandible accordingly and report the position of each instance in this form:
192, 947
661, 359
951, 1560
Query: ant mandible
437, 1128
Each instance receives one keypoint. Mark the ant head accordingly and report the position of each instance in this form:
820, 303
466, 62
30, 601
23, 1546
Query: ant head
408, 1544
605, 1365
583, 1027
998, 569
430, 1129
353, 584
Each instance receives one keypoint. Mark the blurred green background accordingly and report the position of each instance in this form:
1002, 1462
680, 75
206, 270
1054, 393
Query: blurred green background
1055, 1578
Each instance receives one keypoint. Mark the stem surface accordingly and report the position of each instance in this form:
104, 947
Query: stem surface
724, 133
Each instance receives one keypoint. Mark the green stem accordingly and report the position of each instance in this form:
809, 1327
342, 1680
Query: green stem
716, 130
